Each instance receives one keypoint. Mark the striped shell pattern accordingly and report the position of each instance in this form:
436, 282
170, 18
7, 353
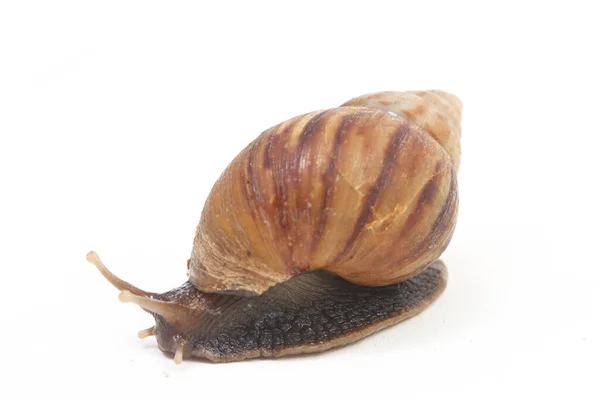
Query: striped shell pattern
367, 191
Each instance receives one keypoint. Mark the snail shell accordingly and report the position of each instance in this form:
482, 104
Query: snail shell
366, 191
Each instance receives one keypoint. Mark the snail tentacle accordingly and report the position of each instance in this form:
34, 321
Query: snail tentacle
174, 313
144, 333
180, 344
117, 282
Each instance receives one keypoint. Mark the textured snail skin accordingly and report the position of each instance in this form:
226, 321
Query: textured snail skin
365, 193
325, 229
309, 313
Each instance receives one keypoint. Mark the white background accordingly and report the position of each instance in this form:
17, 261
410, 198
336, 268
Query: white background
116, 117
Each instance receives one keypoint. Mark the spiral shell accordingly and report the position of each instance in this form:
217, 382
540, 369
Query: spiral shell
437, 112
367, 191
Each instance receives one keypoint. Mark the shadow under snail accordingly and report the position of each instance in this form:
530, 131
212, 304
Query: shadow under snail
323, 230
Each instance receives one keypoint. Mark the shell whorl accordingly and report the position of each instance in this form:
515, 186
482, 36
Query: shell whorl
438, 113
365, 191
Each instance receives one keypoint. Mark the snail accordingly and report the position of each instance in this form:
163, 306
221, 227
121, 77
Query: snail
323, 230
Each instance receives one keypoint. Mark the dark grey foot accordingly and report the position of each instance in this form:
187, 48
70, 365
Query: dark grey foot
311, 313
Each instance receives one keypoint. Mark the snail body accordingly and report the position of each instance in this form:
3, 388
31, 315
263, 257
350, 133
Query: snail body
326, 228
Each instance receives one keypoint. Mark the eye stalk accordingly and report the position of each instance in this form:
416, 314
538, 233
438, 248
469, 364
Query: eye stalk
177, 315
120, 284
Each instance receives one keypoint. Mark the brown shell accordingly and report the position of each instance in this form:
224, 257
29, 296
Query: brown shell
437, 112
365, 193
